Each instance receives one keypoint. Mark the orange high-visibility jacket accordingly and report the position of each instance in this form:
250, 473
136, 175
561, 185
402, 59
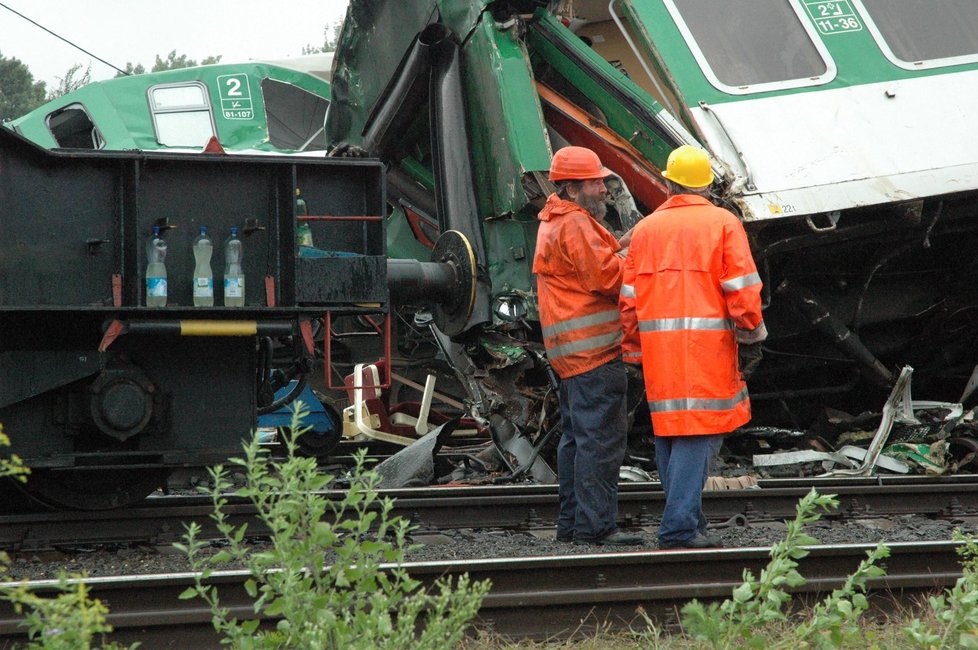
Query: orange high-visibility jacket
690, 293
578, 282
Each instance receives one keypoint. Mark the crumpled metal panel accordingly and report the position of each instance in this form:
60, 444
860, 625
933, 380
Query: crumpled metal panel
508, 139
628, 109
367, 57
415, 464
502, 113
505, 119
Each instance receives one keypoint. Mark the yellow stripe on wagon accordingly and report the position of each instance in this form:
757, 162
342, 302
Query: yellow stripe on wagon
218, 328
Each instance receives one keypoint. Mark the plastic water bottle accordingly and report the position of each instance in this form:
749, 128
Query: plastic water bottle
303, 233
156, 270
203, 276
234, 281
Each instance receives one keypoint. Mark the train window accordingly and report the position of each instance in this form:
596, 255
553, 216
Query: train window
753, 45
72, 128
917, 35
296, 117
181, 114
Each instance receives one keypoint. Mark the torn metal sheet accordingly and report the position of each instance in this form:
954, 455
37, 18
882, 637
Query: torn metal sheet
845, 457
954, 409
883, 461
511, 440
631, 474
414, 465
901, 456
899, 406
800, 457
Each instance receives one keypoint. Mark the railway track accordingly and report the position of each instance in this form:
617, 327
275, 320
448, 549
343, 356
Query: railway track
537, 597
160, 520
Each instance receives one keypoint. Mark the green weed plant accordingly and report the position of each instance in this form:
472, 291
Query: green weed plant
71, 620
953, 620
12, 466
68, 621
333, 575
756, 617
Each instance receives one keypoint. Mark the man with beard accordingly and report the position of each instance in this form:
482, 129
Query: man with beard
579, 273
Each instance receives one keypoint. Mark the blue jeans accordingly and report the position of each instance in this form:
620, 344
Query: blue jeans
684, 463
591, 450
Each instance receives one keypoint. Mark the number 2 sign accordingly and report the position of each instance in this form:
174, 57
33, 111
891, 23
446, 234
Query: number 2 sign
235, 95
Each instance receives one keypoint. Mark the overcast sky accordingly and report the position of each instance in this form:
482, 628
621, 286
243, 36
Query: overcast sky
137, 30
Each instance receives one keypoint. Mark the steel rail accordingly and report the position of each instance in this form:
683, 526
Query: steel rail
160, 520
537, 597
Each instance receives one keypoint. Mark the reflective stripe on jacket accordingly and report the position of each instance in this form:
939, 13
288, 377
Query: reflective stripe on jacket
631, 348
578, 281
690, 292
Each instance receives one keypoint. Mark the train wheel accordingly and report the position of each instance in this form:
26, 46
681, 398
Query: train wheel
94, 489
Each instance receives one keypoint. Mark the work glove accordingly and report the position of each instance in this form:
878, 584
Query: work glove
748, 356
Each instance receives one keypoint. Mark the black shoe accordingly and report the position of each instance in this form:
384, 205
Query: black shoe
565, 539
700, 541
617, 538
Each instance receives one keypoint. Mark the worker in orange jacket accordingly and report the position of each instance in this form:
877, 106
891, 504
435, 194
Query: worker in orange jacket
579, 276
691, 309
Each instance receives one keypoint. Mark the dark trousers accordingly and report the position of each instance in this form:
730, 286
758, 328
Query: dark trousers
591, 450
683, 463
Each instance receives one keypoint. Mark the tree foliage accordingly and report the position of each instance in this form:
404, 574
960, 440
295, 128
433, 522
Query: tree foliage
175, 62
131, 69
19, 93
73, 79
172, 61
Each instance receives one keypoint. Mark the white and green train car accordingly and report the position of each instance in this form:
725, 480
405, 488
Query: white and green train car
276, 107
813, 107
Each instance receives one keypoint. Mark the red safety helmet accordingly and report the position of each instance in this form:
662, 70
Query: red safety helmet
577, 164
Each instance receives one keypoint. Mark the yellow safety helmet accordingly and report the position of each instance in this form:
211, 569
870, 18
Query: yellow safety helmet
690, 167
